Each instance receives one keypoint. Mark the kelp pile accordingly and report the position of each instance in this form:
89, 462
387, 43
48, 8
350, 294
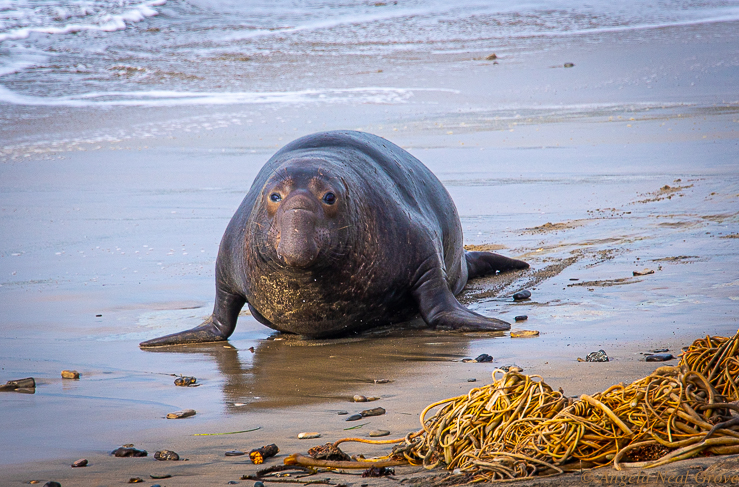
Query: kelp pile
519, 427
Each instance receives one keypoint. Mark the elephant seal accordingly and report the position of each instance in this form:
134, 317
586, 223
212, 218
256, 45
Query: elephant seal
343, 231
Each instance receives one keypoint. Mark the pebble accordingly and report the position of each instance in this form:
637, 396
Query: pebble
70, 374
372, 412
135, 480
185, 413
359, 398
342, 413
599, 356
233, 482
382, 381
308, 436
491, 57
483, 357
164, 455
258, 483
471, 379
521, 318
524, 334
82, 462
659, 357
569, 65
51, 483
156, 485
376, 433
643, 272
128, 451
158, 476
354, 417
510, 368
660, 350
185, 381
235, 453
521, 295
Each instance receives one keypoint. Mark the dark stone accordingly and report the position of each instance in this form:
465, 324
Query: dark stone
599, 356
521, 318
482, 358
160, 476
82, 462
185, 381
372, 412
569, 65
342, 413
472, 379
128, 452
234, 453
354, 417
521, 295
51, 483
659, 357
164, 455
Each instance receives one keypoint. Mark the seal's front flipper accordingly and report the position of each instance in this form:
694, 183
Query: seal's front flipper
484, 263
440, 309
218, 327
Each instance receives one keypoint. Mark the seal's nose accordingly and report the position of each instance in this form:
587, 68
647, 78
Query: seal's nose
296, 220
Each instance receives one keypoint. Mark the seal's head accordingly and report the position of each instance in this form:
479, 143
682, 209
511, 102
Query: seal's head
304, 215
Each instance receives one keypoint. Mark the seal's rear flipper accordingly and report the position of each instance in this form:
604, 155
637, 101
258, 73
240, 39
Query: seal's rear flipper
484, 263
440, 309
218, 327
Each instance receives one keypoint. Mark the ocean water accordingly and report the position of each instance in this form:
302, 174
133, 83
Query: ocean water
177, 52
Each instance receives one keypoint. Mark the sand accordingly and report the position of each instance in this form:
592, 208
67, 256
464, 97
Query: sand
624, 162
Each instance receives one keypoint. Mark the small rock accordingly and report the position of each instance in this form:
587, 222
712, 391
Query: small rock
234, 482
342, 413
135, 480
128, 451
660, 350
156, 485
511, 368
471, 379
359, 398
235, 453
164, 455
308, 436
599, 356
185, 381
521, 295
491, 57
70, 374
258, 483
524, 334
185, 413
377, 433
569, 65
51, 483
382, 381
521, 318
659, 357
372, 412
82, 462
354, 417
483, 357
643, 272
159, 476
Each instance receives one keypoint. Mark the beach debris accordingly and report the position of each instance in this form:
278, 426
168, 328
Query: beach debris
160, 476
328, 452
234, 453
569, 65
184, 381
357, 426
70, 374
82, 462
27, 385
342, 413
164, 455
135, 480
643, 272
511, 368
308, 436
599, 356
521, 295
378, 433
471, 379
354, 417
659, 357
185, 413
524, 333
383, 381
378, 472
128, 451
52, 483
491, 57
521, 318
258, 455
372, 412
306, 461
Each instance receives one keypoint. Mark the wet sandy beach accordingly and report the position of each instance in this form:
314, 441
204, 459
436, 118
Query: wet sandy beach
625, 162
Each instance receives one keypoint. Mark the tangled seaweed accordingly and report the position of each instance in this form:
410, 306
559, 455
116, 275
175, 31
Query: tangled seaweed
519, 427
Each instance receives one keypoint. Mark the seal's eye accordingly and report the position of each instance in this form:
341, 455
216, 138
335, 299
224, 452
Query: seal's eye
275, 197
329, 198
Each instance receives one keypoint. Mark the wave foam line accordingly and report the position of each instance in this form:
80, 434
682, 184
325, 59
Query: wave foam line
110, 23
375, 95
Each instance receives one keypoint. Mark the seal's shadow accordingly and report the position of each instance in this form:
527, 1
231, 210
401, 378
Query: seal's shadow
286, 370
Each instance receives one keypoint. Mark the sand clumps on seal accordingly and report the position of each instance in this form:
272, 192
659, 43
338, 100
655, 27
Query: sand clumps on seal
520, 427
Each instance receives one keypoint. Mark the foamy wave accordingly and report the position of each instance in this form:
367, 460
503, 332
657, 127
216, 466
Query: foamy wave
105, 23
372, 95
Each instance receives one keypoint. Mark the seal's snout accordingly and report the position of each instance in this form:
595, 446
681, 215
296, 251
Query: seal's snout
297, 223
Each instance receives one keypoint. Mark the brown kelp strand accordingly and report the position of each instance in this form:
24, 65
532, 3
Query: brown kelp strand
519, 427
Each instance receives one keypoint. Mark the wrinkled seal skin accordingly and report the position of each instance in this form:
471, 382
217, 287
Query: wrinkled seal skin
340, 232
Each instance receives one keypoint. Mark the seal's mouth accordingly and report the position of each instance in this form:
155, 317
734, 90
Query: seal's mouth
297, 243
